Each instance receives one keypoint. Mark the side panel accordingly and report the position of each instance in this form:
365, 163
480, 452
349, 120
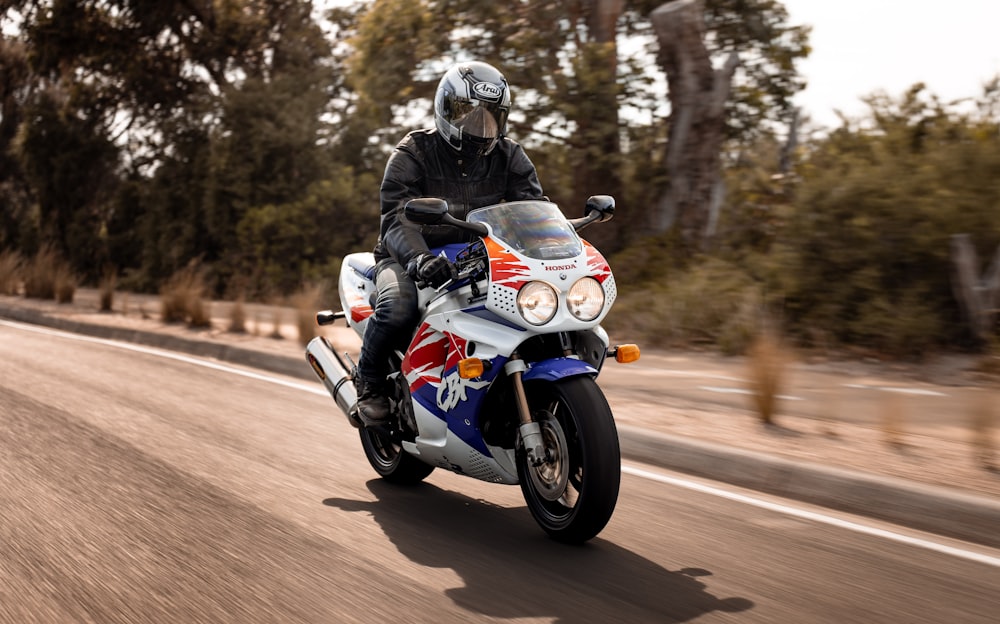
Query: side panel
356, 288
447, 407
442, 399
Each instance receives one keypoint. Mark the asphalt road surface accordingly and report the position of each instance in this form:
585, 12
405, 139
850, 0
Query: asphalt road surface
140, 486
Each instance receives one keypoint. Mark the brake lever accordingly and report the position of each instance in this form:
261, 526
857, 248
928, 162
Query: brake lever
462, 275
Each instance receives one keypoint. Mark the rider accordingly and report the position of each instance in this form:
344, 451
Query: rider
467, 160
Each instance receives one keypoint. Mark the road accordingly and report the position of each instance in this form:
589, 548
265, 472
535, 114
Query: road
138, 486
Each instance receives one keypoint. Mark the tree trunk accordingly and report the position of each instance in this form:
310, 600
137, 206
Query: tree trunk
598, 170
697, 94
977, 297
602, 19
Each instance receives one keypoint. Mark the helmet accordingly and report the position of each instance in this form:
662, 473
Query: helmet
471, 107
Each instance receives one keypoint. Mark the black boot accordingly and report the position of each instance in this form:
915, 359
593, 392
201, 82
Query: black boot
373, 406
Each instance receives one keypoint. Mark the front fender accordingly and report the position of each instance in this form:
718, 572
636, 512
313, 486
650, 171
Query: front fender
558, 368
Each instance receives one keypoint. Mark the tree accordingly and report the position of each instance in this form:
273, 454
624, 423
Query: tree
174, 118
17, 230
703, 114
698, 95
571, 82
868, 244
70, 166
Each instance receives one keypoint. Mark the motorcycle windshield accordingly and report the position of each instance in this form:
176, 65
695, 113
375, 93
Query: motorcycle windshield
536, 229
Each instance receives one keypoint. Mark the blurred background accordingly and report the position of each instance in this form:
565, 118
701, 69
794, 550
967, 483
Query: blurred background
238, 145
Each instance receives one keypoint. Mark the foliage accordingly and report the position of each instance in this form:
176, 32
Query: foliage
711, 302
287, 245
240, 134
145, 134
590, 111
869, 238
851, 248
769, 48
182, 298
11, 265
47, 275
148, 136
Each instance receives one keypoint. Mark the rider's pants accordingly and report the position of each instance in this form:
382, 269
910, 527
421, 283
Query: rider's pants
391, 324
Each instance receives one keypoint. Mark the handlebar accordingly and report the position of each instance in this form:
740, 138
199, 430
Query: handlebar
463, 275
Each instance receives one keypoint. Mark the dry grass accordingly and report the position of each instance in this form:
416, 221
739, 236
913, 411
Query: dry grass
182, 299
713, 303
278, 319
989, 364
237, 317
11, 265
767, 361
106, 292
984, 424
892, 418
306, 302
65, 284
48, 276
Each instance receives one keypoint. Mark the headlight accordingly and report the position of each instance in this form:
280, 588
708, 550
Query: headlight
586, 299
537, 302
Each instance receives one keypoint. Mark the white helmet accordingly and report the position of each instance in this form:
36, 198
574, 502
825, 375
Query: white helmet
471, 107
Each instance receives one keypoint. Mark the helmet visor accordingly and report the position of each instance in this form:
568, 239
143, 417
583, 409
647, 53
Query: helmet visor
479, 119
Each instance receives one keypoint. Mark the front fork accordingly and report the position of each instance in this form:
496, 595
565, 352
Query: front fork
531, 431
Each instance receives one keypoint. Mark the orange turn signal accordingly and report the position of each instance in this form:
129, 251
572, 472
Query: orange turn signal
626, 353
470, 368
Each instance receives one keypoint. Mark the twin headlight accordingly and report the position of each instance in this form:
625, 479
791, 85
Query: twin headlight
537, 301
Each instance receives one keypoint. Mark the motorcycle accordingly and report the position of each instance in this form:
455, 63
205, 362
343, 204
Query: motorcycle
498, 381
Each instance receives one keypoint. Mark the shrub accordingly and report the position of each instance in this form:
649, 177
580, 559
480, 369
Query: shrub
107, 292
48, 276
11, 266
767, 362
306, 301
984, 425
65, 284
181, 298
713, 302
238, 317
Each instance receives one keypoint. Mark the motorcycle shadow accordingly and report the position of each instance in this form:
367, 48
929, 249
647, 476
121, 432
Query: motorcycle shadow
512, 570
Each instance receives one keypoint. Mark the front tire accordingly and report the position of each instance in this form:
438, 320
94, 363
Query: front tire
389, 459
574, 492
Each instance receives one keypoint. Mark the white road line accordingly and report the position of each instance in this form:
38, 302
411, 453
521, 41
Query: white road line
170, 355
722, 390
814, 516
917, 391
660, 372
638, 472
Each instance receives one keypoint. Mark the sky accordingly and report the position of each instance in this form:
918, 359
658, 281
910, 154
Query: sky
863, 46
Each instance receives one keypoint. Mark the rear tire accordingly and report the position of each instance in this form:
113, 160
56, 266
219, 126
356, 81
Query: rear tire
573, 494
389, 459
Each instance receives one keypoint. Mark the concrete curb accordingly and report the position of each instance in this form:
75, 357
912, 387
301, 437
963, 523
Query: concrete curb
928, 508
924, 507
283, 365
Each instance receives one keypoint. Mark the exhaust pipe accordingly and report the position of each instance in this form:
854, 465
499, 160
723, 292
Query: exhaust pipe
333, 372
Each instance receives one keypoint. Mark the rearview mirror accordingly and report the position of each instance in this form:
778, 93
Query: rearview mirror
604, 205
426, 210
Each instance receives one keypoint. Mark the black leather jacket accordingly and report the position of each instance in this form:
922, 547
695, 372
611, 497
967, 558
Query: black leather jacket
423, 165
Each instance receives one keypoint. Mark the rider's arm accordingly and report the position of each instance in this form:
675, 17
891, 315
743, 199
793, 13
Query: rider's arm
522, 179
403, 180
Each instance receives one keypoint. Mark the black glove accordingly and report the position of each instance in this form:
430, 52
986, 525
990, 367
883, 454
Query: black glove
432, 270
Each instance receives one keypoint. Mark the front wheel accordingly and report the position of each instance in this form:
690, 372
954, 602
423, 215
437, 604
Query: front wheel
573, 493
389, 459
